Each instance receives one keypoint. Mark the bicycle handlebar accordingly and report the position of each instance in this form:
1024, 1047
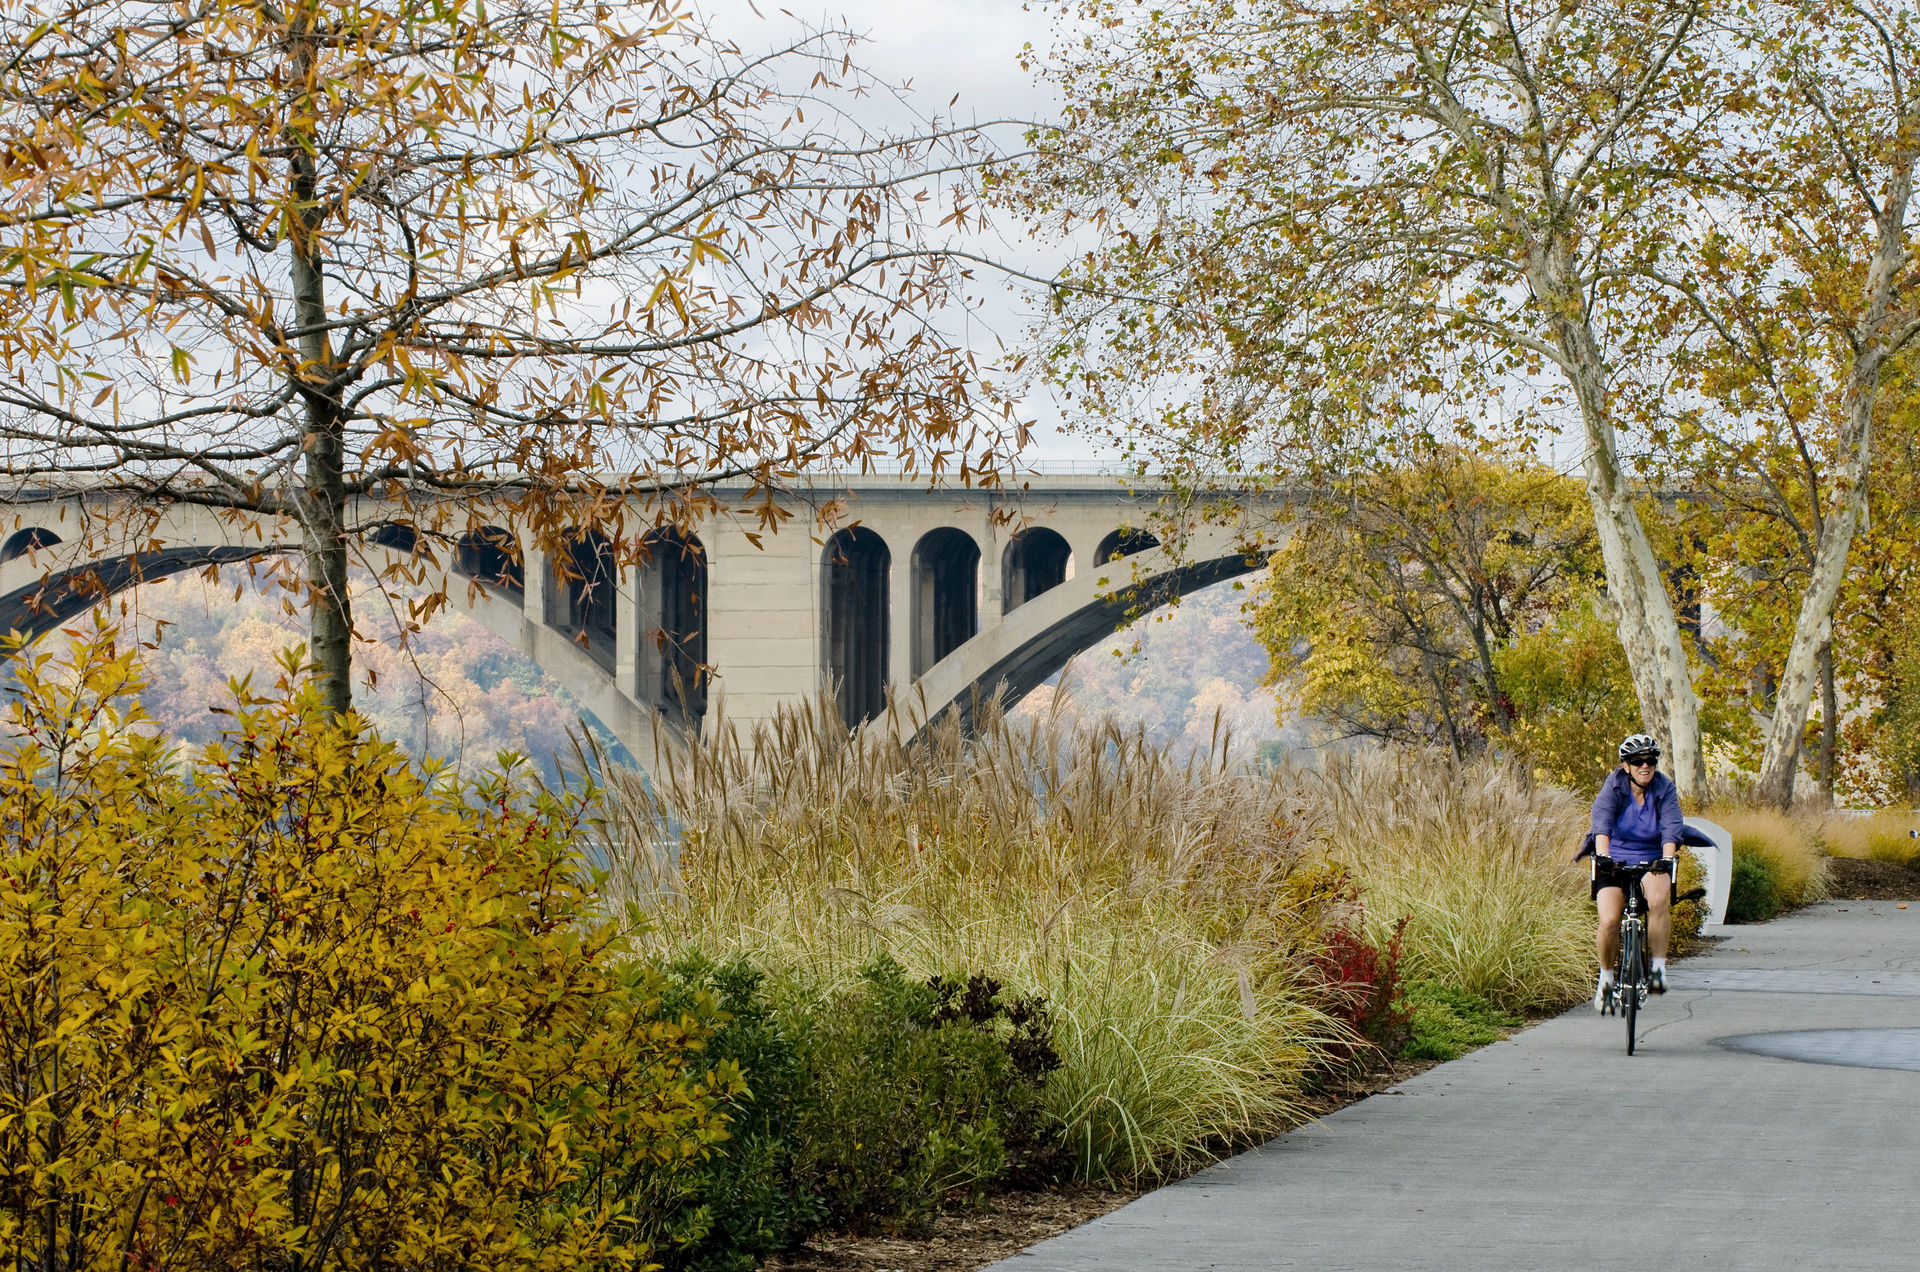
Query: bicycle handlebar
1664, 865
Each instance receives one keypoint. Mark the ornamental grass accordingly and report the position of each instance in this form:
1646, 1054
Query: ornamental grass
1782, 847
1163, 909
1477, 856
1169, 910
1882, 836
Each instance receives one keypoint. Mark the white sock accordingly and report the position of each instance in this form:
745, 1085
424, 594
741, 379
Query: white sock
1606, 976
1659, 964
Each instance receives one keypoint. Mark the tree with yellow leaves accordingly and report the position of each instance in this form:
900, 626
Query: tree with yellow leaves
1387, 611
1805, 279
356, 268
297, 1006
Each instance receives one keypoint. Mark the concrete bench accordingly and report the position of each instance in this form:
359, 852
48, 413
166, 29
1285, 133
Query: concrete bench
1713, 846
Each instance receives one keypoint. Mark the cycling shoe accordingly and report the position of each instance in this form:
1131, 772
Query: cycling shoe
1657, 980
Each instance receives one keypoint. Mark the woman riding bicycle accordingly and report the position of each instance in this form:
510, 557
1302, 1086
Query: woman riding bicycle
1636, 819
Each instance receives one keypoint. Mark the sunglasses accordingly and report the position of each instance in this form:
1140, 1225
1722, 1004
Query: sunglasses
1642, 761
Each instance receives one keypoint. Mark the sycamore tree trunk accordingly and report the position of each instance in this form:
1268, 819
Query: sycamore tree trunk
1885, 324
322, 503
1813, 628
1643, 614
1829, 724
1636, 587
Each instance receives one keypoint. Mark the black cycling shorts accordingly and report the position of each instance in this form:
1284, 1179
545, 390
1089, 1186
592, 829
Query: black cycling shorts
1606, 877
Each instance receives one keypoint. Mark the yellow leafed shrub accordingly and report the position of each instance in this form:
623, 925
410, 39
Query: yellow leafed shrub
294, 1004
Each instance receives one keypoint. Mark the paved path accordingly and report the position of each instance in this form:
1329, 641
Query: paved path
1500, 1160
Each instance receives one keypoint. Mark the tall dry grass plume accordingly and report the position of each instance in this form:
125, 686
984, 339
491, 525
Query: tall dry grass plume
1477, 855
1167, 908
1789, 845
1882, 836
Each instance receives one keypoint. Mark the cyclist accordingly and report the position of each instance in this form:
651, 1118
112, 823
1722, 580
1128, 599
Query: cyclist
1636, 819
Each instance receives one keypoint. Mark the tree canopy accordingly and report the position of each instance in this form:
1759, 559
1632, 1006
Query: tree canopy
1391, 606
1318, 221
1657, 228
572, 259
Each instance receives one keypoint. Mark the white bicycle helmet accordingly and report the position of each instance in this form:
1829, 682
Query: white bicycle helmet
1638, 744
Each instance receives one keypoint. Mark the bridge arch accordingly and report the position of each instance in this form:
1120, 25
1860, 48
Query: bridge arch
1035, 640
672, 655
1035, 560
857, 567
46, 603
490, 556
396, 535
583, 581
1124, 542
946, 594
42, 605
25, 540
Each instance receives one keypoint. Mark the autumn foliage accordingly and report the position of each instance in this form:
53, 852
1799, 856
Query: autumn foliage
552, 264
292, 1004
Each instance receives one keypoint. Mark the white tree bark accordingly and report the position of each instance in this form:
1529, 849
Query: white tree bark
1636, 588
1813, 627
1886, 324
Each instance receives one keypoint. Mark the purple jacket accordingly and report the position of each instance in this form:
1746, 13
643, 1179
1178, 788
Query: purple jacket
1616, 791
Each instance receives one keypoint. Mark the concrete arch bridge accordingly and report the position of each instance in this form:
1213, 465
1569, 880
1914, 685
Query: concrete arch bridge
876, 585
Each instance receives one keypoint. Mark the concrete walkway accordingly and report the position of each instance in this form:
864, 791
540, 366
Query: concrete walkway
1721, 1158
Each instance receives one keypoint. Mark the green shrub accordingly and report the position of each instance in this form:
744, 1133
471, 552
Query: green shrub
1447, 1022
916, 1097
1754, 896
1790, 848
1024, 1026
742, 1203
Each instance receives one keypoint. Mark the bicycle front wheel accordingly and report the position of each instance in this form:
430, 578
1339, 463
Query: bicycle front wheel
1632, 974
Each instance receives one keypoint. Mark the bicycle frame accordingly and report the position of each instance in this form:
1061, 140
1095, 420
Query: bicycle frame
1632, 970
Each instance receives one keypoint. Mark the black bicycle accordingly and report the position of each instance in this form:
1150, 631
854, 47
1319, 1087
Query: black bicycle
1633, 972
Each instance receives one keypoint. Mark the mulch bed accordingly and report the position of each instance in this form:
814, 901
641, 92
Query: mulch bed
1009, 1222
961, 1240
1853, 880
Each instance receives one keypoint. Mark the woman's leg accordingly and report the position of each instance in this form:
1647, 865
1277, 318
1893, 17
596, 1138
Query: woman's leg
1610, 902
1658, 890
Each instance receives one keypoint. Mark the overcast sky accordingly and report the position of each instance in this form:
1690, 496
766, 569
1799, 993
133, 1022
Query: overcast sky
945, 47
942, 49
